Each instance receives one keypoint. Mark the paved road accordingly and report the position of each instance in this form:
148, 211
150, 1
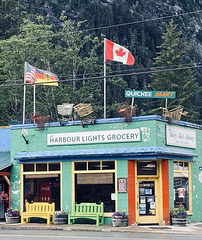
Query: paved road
80, 235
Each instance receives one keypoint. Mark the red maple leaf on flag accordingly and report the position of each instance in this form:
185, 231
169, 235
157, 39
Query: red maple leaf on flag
120, 52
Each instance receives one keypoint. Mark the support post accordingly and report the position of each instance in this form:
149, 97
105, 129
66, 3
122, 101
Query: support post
105, 87
25, 71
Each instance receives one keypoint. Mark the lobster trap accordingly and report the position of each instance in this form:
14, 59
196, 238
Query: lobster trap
174, 113
83, 109
125, 111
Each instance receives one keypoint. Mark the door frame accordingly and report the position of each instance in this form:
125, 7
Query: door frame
158, 193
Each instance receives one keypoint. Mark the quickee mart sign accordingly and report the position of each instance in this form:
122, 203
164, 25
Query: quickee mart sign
149, 94
128, 135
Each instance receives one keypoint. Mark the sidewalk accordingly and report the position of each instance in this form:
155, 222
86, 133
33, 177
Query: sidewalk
193, 228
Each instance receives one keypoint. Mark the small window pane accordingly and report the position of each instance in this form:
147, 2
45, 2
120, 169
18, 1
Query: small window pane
146, 168
94, 165
54, 166
175, 165
80, 166
108, 165
41, 167
180, 166
186, 166
28, 167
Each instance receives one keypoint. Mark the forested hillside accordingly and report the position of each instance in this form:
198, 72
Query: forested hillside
66, 37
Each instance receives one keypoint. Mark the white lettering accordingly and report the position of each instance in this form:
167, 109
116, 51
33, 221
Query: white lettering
94, 137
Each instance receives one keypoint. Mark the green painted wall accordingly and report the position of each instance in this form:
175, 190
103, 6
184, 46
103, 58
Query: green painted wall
122, 172
66, 186
196, 184
38, 139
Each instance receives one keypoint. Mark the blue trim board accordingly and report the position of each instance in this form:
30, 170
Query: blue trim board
111, 120
106, 153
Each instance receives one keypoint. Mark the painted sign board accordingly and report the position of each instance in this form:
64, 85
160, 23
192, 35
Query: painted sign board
149, 94
181, 137
127, 135
122, 185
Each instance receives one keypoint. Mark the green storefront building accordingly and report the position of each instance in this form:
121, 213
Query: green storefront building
146, 166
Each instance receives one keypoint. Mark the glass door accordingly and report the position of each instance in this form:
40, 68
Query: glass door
147, 201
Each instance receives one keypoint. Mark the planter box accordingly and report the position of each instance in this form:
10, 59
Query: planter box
179, 221
60, 219
12, 219
119, 221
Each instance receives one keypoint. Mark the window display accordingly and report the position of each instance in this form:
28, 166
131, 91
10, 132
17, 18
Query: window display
147, 198
97, 186
181, 184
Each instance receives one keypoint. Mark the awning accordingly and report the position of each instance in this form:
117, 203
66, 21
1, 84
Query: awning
137, 153
4, 160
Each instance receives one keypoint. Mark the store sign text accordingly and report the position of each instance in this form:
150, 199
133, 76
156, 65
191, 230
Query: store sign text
94, 137
177, 136
149, 94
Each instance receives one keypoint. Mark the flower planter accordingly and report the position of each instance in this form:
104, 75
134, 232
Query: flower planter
179, 221
119, 221
60, 219
12, 219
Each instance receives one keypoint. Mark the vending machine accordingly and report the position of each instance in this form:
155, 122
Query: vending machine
45, 192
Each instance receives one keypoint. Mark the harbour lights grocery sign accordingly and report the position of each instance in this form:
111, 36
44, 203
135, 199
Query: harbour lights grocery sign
128, 135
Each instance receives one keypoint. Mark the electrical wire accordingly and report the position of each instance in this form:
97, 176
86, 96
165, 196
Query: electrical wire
111, 26
143, 21
128, 70
109, 76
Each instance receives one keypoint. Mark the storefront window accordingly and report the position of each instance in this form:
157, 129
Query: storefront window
95, 182
42, 183
181, 184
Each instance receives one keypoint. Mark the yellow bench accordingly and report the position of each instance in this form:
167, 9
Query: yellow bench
40, 210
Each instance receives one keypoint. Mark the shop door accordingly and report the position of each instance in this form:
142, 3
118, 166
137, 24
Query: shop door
148, 208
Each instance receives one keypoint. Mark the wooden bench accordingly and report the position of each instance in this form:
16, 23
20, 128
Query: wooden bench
40, 210
87, 210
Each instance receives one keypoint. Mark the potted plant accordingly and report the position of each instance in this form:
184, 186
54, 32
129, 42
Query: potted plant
179, 216
119, 219
3, 197
12, 215
60, 217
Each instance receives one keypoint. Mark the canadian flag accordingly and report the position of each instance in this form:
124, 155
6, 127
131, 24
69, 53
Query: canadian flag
116, 52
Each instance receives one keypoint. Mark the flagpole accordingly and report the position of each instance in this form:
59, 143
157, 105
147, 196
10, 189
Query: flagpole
25, 71
104, 77
34, 92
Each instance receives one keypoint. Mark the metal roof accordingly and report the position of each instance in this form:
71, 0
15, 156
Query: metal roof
137, 153
4, 160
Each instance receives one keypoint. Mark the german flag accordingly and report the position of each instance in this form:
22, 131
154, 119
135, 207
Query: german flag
41, 77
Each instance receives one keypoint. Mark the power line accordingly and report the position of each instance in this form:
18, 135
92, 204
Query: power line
129, 70
111, 26
111, 76
143, 21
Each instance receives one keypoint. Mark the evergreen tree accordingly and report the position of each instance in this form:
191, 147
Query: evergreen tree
170, 74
